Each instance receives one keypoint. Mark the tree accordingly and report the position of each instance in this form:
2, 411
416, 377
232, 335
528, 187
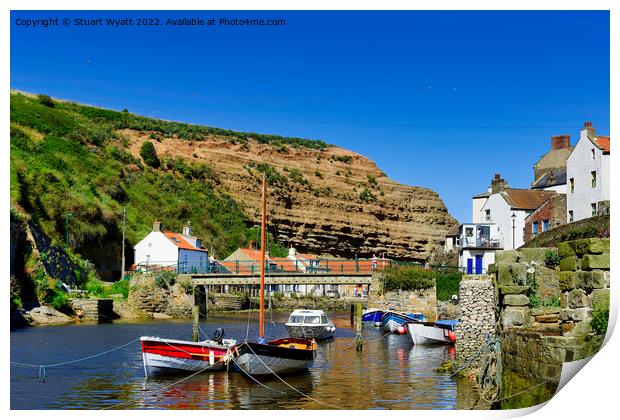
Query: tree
149, 155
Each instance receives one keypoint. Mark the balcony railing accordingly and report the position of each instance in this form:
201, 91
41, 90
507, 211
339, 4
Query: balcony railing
480, 242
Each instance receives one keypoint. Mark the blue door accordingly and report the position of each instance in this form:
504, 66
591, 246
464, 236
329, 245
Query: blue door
470, 266
478, 264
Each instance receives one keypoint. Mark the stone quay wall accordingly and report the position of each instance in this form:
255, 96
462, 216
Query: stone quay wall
545, 313
477, 315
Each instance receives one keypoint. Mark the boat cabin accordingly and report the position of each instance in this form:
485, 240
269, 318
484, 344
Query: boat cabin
308, 317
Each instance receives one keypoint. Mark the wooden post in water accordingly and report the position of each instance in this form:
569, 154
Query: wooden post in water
206, 290
196, 316
358, 327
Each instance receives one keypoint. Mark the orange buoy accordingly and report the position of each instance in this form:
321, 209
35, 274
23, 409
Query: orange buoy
451, 336
401, 329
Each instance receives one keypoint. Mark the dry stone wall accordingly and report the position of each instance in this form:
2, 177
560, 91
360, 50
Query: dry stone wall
477, 315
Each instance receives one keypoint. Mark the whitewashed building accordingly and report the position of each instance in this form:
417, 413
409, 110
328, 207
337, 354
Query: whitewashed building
588, 176
498, 223
183, 251
478, 243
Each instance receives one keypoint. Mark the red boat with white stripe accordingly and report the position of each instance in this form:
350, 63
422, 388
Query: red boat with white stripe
166, 356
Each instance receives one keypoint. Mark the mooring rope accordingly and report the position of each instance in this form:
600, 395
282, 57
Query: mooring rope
42, 367
289, 385
153, 392
448, 378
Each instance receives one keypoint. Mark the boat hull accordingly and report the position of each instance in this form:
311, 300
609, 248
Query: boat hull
391, 321
266, 359
373, 316
165, 357
318, 332
426, 334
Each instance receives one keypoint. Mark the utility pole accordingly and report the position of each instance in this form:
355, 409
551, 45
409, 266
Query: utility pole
123, 247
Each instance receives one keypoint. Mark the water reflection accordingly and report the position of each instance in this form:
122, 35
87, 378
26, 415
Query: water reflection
390, 372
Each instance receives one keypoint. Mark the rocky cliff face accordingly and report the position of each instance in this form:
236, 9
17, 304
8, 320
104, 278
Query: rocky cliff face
331, 201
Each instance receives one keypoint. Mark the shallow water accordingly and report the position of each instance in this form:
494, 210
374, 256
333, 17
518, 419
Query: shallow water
390, 372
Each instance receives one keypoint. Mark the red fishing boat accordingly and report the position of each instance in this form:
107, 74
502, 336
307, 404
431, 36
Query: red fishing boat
167, 356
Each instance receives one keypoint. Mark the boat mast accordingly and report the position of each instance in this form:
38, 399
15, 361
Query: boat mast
262, 258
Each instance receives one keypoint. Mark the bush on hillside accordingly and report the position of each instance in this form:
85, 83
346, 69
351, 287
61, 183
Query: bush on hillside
149, 155
46, 100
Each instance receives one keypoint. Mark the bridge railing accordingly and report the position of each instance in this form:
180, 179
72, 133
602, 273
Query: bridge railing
314, 266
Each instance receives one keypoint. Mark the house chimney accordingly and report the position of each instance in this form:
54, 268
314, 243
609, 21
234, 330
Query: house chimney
560, 142
187, 230
588, 127
156, 226
498, 184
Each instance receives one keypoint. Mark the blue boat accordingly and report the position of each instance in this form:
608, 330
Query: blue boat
373, 315
391, 321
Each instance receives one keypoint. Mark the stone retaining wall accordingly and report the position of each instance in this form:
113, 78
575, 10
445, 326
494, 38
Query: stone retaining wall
146, 297
93, 310
477, 315
546, 312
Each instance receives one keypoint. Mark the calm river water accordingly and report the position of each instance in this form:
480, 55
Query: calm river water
390, 372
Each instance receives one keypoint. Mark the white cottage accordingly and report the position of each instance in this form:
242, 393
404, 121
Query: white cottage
587, 170
169, 249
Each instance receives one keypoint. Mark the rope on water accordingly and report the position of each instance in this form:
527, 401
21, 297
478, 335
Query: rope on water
487, 345
153, 392
291, 386
42, 367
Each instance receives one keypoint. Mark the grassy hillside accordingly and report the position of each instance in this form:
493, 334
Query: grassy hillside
69, 158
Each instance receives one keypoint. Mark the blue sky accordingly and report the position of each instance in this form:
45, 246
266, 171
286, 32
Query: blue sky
437, 99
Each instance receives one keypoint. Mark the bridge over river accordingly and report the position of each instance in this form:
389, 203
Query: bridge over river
286, 278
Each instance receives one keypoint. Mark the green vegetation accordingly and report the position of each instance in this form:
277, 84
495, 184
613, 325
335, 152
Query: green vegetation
344, 159
318, 174
404, 277
149, 155
165, 278
448, 283
372, 180
367, 196
46, 100
70, 159
593, 227
296, 176
600, 319
552, 258
115, 120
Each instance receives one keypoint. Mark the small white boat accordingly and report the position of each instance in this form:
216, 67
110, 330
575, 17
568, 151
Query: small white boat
310, 324
167, 356
440, 332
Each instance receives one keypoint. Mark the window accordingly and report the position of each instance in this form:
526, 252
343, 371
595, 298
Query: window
150, 244
487, 215
469, 231
572, 185
534, 228
593, 173
593, 154
593, 209
570, 216
545, 225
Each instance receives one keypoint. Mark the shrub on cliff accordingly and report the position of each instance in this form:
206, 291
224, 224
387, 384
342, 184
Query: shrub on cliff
165, 278
149, 155
407, 278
